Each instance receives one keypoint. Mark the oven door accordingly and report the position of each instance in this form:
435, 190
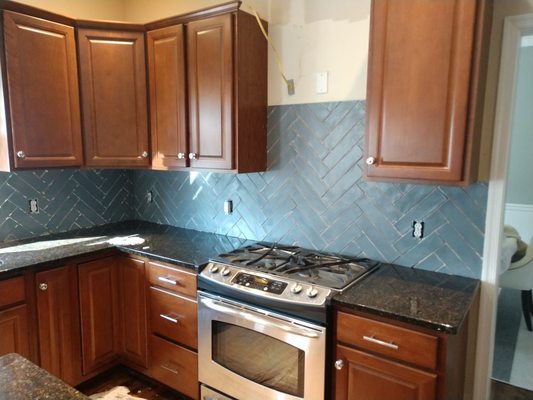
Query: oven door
249, 353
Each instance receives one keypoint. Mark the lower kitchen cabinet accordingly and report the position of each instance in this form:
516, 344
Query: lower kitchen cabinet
133, 313
14, 331
174, 327
99, 313
59, 323
367, 377
175, 366
377, 360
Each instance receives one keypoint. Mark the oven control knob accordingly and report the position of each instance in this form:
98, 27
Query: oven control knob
296, 288
213, 269
225, 271
311, 292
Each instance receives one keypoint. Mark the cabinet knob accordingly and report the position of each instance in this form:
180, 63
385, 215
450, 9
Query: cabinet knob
43, 286
21, 154
181, 156
192, 156
144, 154
370, 160
339, 364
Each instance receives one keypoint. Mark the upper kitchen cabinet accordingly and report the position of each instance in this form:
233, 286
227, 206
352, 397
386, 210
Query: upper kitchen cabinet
425, 85
166, 72
113, 93
42, 105
215, 117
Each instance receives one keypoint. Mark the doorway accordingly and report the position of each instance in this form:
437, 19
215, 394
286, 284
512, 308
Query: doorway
517, 30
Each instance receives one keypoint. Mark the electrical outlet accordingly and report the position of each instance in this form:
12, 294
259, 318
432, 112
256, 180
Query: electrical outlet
228, 207
34, 206
418, 229
150, 197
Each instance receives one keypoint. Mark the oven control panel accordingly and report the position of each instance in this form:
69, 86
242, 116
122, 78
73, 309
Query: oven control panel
259, 283
265, 285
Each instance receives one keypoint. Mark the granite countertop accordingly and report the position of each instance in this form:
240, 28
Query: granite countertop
428, 299
20, 379
185, 247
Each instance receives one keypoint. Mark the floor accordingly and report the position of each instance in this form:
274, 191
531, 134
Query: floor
513, 349
144, 388
504, 391
139, 385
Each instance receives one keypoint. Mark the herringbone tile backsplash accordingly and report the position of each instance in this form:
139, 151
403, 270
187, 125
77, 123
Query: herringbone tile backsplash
67, 199
313, 196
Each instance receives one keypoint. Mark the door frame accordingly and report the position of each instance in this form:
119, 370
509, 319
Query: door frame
514, 28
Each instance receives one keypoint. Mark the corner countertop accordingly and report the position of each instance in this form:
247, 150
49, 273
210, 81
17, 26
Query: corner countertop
185, 247
20, 379
428, 299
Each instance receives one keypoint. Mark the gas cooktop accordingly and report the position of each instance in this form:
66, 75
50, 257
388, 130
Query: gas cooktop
316, 268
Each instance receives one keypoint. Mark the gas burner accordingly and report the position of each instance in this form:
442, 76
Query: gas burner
316, 268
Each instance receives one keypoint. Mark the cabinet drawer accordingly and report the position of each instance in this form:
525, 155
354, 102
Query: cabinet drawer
174, 317
392, 341
172, 278
12, 291
174, 366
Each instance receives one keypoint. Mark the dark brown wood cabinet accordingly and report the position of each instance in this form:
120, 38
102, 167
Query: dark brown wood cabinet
425, 82
99, 313
113, 93
365, 377
168, 108
14, 328
59, 323
227, 76
173, 327
215, 118
133, 312
378, 359
43, 101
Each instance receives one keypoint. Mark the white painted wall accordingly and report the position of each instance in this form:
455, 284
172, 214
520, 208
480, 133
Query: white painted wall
82, 9
311, 36
519, 182
520, 216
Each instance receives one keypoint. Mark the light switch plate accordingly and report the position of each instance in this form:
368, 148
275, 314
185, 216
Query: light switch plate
322, 83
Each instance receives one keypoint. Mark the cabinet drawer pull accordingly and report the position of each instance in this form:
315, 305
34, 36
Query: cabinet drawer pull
181, 156
168, 280
372, 339
169, 318
169, 368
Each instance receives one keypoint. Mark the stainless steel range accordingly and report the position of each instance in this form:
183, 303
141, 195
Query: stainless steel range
262, 320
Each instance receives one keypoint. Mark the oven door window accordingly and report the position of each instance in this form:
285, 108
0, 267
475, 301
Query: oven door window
259, 358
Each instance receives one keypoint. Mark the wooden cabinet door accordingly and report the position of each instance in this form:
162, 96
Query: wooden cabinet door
113, 89
166, 71
210, 69
99, 306
133, 311
367, 377
418, 89
58, 323
14, 334
42, 80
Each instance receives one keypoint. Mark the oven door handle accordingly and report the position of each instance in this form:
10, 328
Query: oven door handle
288, 327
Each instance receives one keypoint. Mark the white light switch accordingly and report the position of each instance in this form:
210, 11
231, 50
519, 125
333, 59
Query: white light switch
322, 82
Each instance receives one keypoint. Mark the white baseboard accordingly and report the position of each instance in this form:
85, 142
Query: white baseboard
520, 216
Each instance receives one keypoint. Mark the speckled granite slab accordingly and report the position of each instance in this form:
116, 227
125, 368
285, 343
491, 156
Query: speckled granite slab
429, 299
20, 379
175, 245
